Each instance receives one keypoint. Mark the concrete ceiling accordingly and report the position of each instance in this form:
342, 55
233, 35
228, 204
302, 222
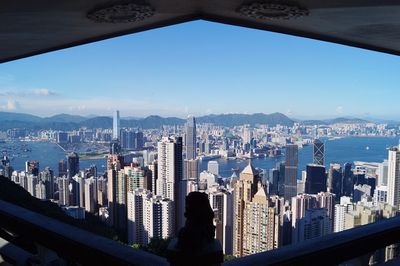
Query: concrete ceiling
32, 27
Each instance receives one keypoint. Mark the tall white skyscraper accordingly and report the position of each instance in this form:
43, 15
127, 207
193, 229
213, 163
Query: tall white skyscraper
116, 125
393, 193
341, 209
213, 167
191, 138
90, 194
63, 191
170, 175
40, 190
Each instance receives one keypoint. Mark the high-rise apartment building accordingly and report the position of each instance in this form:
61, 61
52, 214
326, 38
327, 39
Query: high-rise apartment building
327, 200
244, 190
63, 191
318, 152
345, 206
31, 182
393, 181
114, 193
303, 202
149, 217
315, 223
261, 224
135, 177
221, 201
90, 194
40, 191
47, 177
191, 138
291, 164
170, 176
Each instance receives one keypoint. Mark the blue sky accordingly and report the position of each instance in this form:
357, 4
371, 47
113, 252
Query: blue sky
200, 68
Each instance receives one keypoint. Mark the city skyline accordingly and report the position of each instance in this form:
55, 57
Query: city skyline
190, 70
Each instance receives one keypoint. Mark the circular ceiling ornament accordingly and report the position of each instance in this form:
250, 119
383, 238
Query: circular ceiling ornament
272, 11
121, 13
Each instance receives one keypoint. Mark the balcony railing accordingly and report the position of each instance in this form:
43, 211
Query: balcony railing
56, 239
67, 242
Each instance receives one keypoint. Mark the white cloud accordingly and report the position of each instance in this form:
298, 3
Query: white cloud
43, 92
10, 105
339, 110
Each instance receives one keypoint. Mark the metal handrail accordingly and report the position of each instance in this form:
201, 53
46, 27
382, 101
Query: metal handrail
71, 242
330, 249
87, 248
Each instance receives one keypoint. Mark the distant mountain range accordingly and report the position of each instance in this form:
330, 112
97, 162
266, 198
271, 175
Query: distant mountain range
335, 121
68, 122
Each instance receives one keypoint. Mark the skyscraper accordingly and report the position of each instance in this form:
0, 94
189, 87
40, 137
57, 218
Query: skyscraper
335, 180
291, 163
393, 181
62, 168
316, 179
90, 194
32, 167
347, 180
115, 147
139, 140
170, 175
148, 217
191, 138
213, 167
315, 223
116, 125
319, 152
221, 203
191, 169
261, 223
72, 164
382, 174
47, 178
341, 209
63, 191
273, 181
244, 190
114, 164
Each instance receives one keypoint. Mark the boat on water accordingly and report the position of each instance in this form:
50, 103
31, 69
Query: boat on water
335, 138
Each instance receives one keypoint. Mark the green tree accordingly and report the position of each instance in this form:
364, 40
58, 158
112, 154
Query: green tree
158, 246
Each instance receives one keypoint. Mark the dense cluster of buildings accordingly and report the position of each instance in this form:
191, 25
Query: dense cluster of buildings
144, 197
